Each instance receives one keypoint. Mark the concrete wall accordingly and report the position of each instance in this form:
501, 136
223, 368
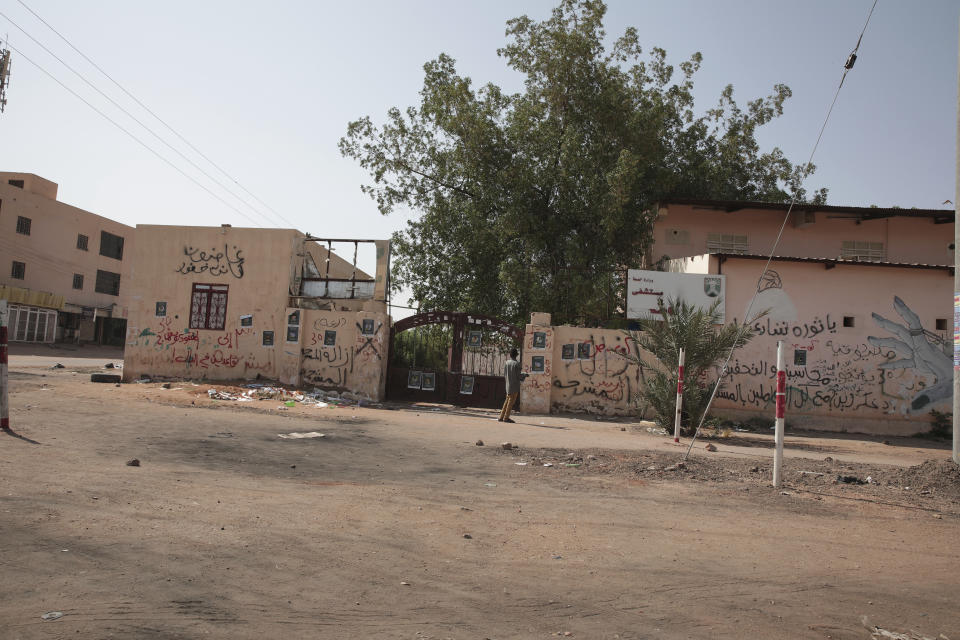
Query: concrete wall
258, 267
881, 375
262, 269
592, 379
338, 355
50, 252
905, 239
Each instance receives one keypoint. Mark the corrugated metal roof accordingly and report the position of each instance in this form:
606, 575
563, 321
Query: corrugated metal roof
831, 262
864, 213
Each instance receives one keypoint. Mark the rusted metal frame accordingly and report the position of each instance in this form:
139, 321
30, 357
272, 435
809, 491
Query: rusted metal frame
311, 238
339, 280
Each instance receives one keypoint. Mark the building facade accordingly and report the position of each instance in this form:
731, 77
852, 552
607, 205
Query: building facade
63, 270
224, 303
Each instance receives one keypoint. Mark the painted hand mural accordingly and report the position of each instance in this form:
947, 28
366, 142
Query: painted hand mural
917, 353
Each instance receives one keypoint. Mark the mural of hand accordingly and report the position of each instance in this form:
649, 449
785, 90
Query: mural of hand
916, 352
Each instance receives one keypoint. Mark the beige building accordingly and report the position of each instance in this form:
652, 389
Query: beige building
224, 303
64, 271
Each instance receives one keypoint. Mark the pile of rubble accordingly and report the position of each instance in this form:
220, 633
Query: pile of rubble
318, 397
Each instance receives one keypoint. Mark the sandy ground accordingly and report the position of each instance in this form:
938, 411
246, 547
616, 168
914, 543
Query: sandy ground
396, 524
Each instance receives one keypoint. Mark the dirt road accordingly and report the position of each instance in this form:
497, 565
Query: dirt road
396, 524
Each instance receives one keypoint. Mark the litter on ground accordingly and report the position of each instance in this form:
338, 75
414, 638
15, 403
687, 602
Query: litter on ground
298, 435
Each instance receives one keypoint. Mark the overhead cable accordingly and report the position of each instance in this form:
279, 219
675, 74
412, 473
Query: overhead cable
848, 65
135, 138
157, 117
133, 117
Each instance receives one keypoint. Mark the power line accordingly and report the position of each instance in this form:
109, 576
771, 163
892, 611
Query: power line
158, 118
848, 65
134, 118
138, 140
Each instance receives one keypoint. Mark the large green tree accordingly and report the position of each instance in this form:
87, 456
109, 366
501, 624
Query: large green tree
538, 200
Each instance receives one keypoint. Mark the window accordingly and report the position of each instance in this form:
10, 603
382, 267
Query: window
941, 324
108, 283
727, 243
208, 306
111, 245
16, 183
78, 281
23, 225
848, 321
862, 251
18, 270
82, 241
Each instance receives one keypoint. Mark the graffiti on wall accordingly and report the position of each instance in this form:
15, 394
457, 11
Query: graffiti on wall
904, 373
164, 345
599, 380
329, 362
216, 262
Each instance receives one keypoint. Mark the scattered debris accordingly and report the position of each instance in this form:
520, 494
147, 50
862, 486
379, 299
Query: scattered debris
489, 484
623, 428
50, 616
755, 469
657, 431
165, 385
405, 583
133, 463
109, 365
784, 493
851, 480
877, 633
479, 443
299, 435
815, 474
506, 446
520, 464
468, 536
710, 447
548, 464
57, 366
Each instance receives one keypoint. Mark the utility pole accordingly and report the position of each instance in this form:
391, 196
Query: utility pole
956, 285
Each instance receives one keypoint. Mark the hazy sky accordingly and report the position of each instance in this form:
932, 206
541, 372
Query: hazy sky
266, 90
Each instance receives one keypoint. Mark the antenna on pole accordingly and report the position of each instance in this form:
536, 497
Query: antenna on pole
4, 74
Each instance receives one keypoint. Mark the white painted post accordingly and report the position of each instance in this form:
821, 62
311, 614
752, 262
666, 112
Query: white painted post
676, 420
781, 406
4, 395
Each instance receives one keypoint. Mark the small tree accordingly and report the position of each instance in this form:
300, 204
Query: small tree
695, 330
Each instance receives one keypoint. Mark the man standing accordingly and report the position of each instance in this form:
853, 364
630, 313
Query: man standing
512, 378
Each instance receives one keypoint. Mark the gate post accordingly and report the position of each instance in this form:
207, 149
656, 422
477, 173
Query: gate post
4, 394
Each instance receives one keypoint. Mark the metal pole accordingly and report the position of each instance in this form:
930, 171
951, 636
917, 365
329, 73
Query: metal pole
4, 394
778, 428
956, 291
676, 420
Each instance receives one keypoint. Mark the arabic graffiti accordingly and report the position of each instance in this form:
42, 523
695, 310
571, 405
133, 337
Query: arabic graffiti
216, 262
600, 381
903, 375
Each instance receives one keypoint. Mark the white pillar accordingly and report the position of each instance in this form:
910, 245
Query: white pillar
676, 420
781, 406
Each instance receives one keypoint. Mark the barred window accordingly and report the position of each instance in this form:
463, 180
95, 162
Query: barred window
78, 281
111, 245
862, 251
108, 283
23, 225
208, 306
82, 242
727, 243
18, 271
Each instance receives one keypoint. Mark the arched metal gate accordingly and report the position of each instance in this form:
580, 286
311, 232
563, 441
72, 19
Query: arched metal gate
450, 357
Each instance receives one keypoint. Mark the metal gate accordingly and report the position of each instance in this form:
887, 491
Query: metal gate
450, 357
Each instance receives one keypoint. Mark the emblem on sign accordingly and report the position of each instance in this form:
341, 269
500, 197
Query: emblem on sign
711, 287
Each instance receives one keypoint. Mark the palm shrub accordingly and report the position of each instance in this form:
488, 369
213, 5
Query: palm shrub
706, 344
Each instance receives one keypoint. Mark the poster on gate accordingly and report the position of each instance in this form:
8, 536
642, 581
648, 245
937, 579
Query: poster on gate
645, 288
